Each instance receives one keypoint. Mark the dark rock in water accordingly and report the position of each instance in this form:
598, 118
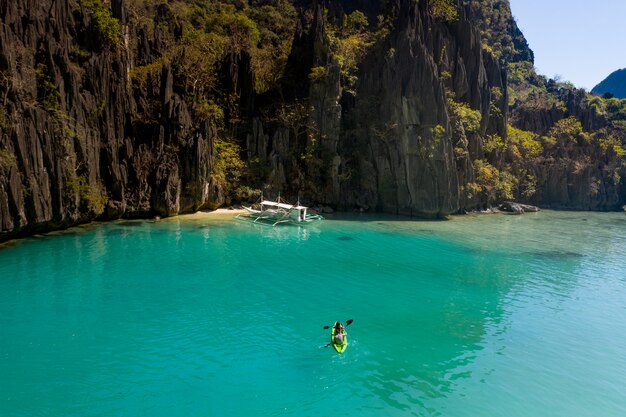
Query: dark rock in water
345, 238
517, 208
512, 208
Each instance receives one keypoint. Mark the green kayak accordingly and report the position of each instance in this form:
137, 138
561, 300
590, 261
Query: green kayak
339, 347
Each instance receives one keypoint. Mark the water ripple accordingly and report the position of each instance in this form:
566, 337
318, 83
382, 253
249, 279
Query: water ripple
467, 317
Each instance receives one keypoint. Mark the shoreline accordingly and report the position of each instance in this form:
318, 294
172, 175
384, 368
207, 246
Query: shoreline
220, 213
230, 212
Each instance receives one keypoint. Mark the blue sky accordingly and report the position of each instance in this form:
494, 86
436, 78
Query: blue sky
583, 41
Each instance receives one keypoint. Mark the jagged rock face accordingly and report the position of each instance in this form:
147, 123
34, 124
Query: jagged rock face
537, 121
499, 28
390, 146
410, 164
567, 184
73, 131
80, 138
541, 120
582, 178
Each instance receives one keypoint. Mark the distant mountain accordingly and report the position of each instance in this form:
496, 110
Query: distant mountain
614, 84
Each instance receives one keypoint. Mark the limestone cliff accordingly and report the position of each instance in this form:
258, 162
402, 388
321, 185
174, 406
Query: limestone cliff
98, 127
391, 141
126, 108
77, 139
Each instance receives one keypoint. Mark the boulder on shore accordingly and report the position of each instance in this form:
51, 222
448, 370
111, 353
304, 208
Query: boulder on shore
517, 208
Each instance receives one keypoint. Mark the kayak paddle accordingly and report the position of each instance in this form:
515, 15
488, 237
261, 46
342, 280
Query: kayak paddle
348, 322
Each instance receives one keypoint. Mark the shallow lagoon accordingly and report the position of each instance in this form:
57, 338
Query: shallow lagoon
491, 315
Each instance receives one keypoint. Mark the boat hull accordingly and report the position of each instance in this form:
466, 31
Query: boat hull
272, 219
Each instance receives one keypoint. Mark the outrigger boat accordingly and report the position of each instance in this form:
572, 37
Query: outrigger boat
274, 213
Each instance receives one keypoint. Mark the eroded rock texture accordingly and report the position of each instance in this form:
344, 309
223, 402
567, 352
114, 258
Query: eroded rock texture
92, 127
390, 145
78, 141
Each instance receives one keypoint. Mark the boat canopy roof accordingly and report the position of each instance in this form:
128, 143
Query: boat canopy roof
281, 205
275, 204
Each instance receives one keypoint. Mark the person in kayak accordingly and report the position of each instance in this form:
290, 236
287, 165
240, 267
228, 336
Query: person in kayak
340, 334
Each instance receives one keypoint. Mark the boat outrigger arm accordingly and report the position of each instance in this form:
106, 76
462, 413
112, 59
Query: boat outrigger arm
275, 213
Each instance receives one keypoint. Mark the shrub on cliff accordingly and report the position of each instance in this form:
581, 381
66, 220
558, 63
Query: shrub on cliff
349, 42
469, 117
444, 10
568, 132
106, 25
528, 144
228, 166
91, 198
264, 30
501, 36
7, 161
612, 144
317, 74
276, 20
47, 92
493, 184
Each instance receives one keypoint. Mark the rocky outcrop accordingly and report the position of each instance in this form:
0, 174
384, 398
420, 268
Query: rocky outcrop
517, 208
574, 184
580, 176
564, 103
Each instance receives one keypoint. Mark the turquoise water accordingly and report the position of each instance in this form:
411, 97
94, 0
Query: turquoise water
478, 316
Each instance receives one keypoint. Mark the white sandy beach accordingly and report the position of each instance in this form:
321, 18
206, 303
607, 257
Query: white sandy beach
206, 214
